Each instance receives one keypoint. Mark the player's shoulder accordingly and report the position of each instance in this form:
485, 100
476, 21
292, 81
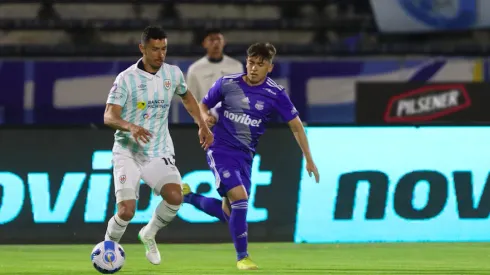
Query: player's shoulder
230, 78
171, 68
201, 62
128, 72
272, 87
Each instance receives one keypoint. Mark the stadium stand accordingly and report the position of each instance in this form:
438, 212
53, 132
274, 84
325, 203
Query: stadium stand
308, 27
297, 27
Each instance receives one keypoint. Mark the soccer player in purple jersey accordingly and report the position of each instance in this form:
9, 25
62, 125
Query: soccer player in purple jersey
247, 103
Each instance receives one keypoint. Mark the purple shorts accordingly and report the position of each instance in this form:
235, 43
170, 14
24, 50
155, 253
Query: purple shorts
230, 170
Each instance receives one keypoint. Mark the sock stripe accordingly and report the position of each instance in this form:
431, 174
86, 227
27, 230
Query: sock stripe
240, 205
122, 226
171, 210
162, 220
111, 238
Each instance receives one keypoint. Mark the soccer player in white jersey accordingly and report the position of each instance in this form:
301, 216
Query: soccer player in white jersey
138, 107
204, 72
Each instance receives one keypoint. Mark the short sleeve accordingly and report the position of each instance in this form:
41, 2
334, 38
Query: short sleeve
119, 92
214, 95
181, 88
285, 107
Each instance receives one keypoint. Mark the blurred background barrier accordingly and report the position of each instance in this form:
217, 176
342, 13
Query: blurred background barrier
58, 59
401, 183
75, 92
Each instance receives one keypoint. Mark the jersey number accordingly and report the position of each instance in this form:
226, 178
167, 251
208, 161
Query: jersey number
169, 161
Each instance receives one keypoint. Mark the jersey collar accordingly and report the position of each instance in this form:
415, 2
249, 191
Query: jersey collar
145, 73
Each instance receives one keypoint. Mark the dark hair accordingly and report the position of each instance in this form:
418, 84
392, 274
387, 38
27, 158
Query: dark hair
152, 32
208, 32
265, 51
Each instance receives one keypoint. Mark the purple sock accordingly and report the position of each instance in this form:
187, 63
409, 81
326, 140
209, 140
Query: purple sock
210, 206
238, 227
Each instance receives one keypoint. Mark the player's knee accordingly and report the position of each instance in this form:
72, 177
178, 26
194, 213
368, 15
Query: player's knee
126, 210
237, 193
172, 194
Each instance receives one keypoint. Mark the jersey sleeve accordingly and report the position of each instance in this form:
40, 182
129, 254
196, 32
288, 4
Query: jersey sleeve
181, 88
119, 92
214, 95
285, 107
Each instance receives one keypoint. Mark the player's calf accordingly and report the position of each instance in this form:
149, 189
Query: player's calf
118, 223
210, 206
163, 215
238, 220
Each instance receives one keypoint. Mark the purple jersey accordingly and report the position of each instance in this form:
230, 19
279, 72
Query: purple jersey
245, 111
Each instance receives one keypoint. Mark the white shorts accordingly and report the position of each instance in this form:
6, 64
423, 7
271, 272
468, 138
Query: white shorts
130, 168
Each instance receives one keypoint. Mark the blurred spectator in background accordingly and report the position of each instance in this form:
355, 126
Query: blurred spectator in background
205, 71
47, 12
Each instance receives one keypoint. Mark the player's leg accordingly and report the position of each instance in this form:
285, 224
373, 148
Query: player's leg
238, 197
226, 208
238, 200
235, 185
210, 206
164, 178
126, 182
166, 210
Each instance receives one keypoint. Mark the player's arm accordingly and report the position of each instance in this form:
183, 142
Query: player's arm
189, 100
296, 126
289, 113
192, 107
112, 118
192, 83
206, 138
112, 114
212, 98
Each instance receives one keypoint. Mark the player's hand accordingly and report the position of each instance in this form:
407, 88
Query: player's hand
140, 134
311, 168
211, 121
206, 137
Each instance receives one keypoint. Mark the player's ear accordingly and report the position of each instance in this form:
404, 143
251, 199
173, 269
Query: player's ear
204, 42
142, 48
224, 40
271, 66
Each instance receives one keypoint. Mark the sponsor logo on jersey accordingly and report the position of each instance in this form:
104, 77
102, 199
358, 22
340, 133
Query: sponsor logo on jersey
242, 119
160, 103
141, 105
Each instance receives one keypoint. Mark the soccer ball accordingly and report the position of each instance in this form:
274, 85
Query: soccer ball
108, 257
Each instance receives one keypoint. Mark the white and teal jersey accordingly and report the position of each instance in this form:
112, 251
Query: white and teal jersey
145, 99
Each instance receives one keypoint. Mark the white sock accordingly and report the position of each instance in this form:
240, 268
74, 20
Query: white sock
163, 215
115, 228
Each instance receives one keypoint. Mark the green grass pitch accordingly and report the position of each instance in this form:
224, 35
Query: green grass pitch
272, 258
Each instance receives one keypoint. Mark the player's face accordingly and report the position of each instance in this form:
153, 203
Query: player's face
257, 69
214, 43
154, 52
